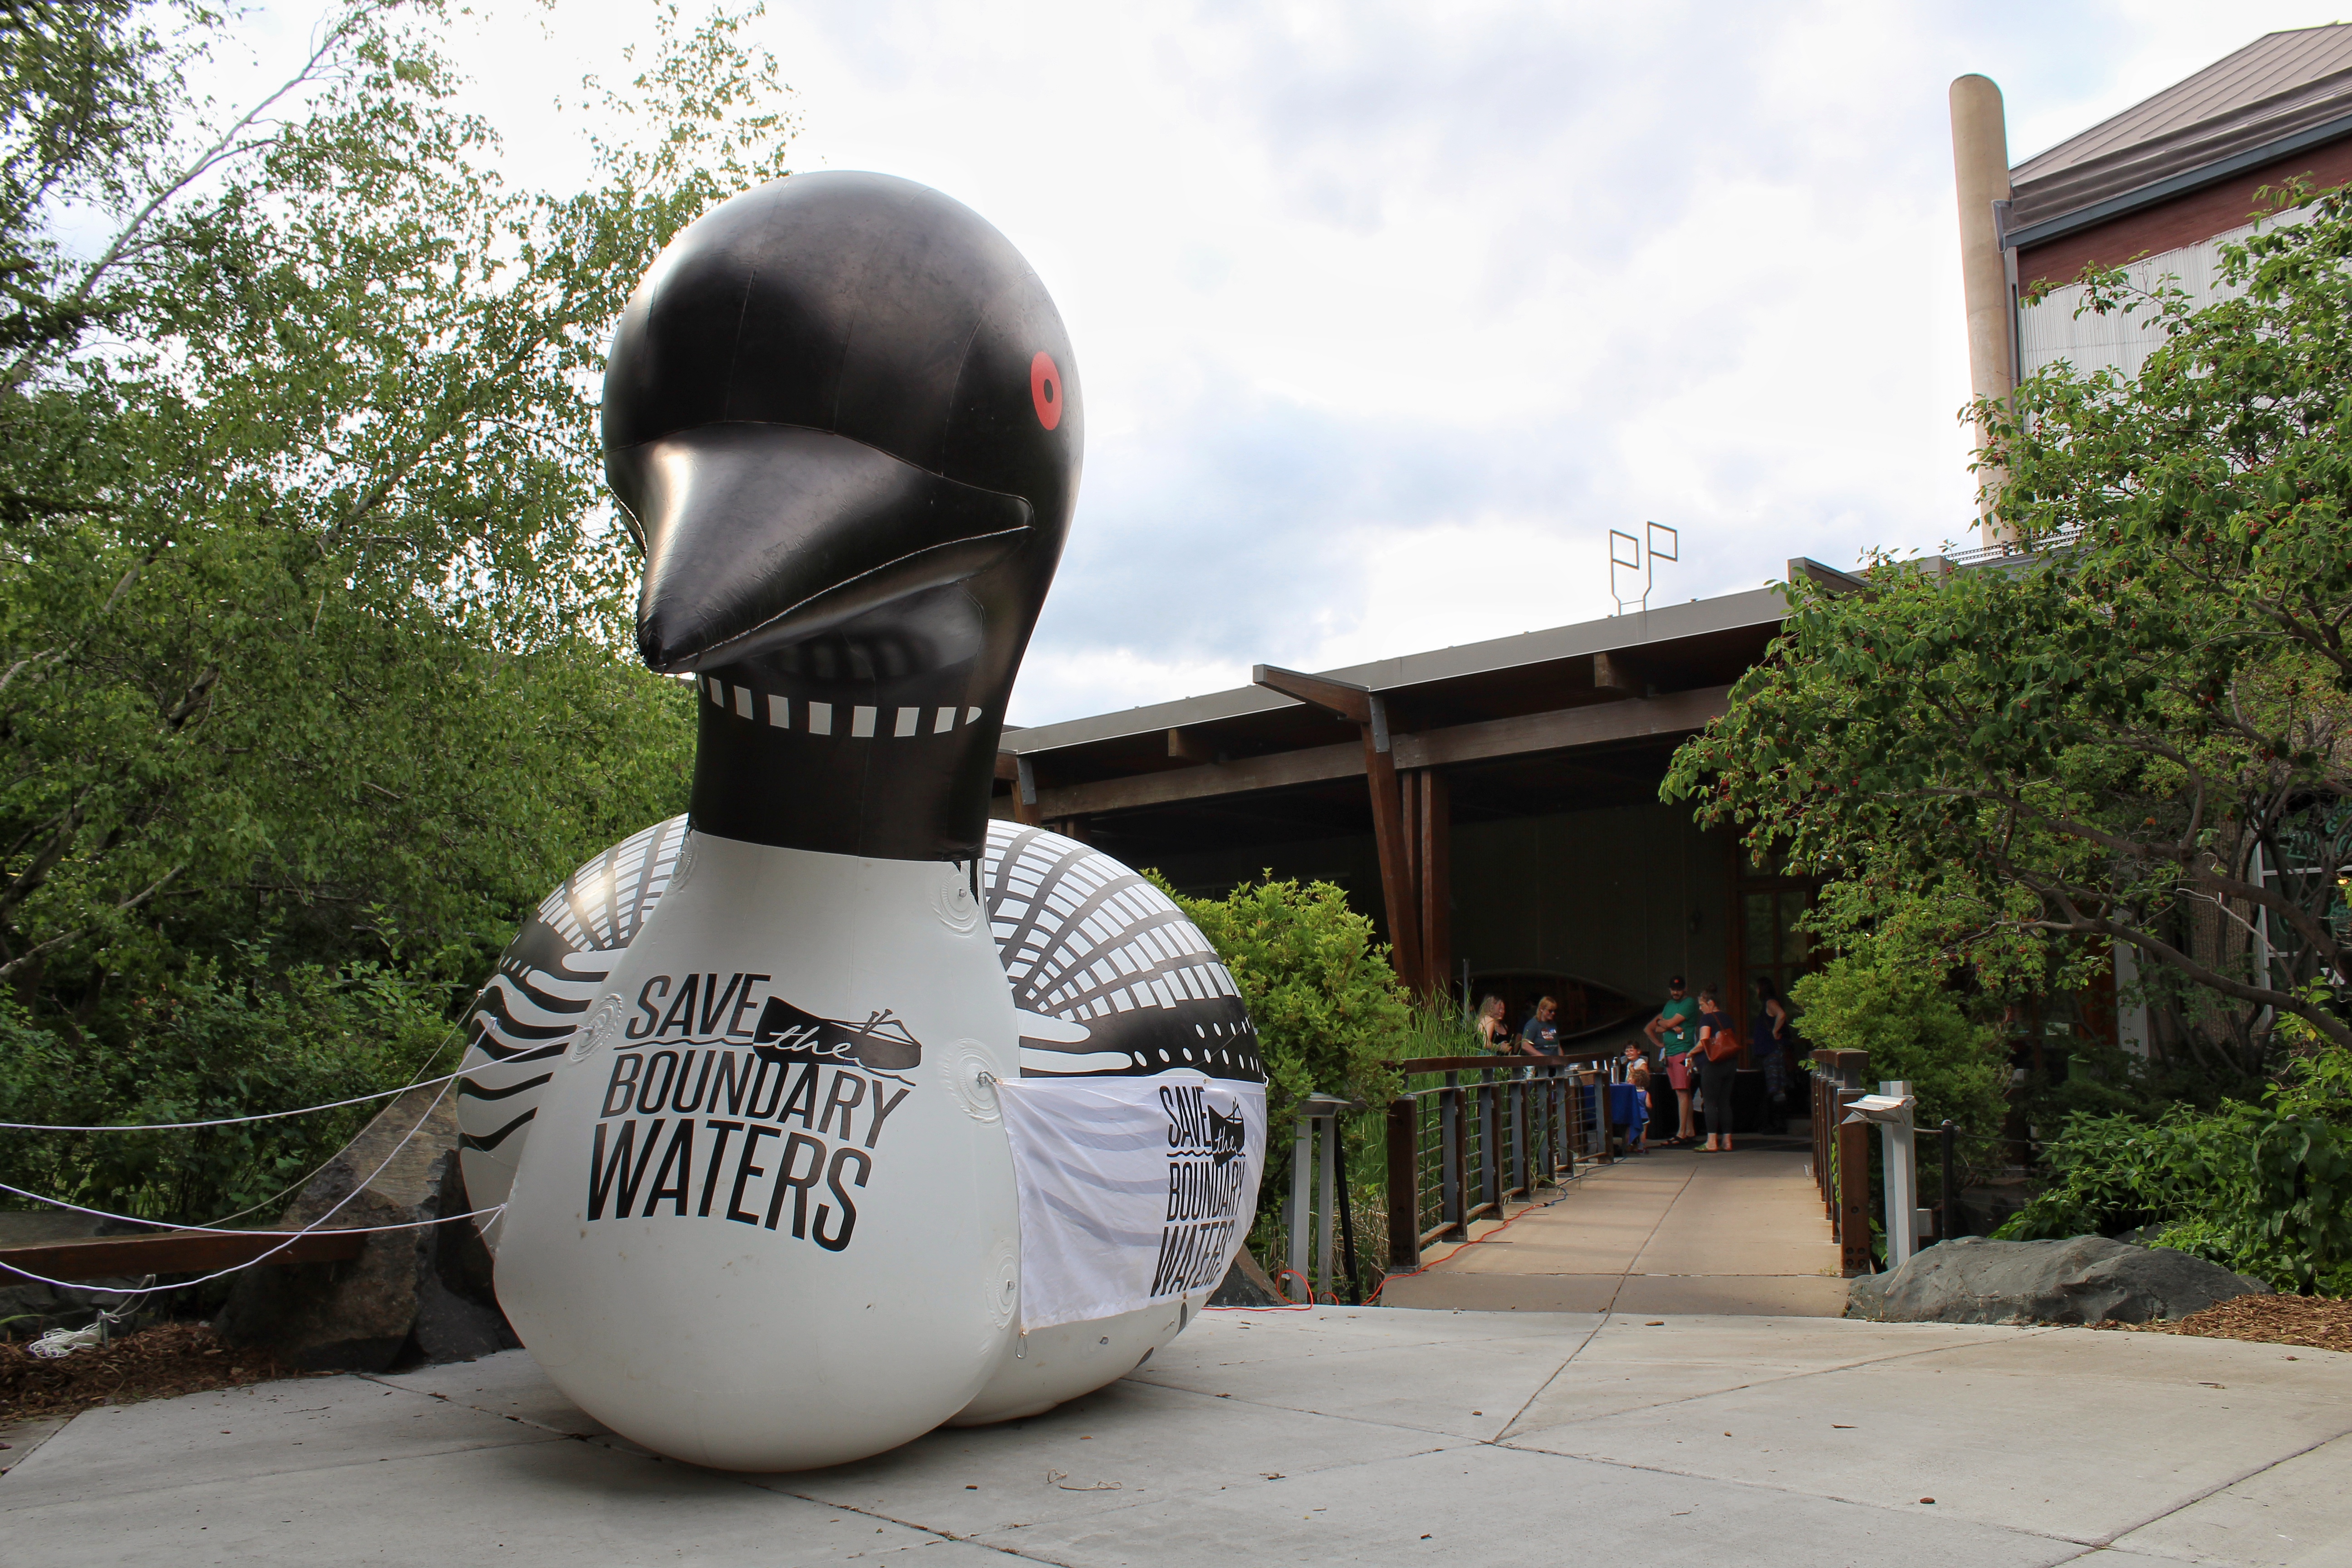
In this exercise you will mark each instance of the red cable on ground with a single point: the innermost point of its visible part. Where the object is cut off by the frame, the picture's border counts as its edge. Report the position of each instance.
(1480, 1241)
(1373, 1299)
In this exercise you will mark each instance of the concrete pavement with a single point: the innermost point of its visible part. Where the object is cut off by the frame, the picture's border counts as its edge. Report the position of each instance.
(1315, 1436)
(1676, 1230)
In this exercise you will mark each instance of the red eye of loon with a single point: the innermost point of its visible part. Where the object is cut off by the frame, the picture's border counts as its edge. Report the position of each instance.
(1046, 389)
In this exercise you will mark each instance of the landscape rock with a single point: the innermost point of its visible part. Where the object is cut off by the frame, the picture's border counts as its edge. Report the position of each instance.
(420, 1294)
(2086, 1279)
(1245, 1285)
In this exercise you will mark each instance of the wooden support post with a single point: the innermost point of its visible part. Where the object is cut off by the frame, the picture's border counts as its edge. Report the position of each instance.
(1431, 823)
(1854, 1190)
(1606, 1154)
(1389, 835)
(1404, 1183)
(1361, 706)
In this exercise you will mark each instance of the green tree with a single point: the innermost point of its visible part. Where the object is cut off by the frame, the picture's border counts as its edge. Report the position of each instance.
(1330, 1011)
(2134, 730)
(1915, 1030)
(314, 664)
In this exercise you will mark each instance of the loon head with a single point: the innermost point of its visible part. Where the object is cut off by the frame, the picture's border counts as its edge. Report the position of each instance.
(842, 417)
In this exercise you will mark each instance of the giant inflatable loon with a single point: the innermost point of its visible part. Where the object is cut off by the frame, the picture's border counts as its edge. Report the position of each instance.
(747, 1083)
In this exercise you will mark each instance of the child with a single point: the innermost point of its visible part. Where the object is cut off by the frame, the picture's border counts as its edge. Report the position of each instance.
(1637, 1073)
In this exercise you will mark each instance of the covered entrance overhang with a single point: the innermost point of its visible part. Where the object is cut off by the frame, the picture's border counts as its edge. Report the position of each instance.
(1494, 806)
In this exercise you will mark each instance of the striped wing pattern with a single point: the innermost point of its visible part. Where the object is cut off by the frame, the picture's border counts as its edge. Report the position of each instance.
(538, 997)
(1109, 977)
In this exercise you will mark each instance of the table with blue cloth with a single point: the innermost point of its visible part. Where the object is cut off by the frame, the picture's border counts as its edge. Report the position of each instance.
(1625, 1106)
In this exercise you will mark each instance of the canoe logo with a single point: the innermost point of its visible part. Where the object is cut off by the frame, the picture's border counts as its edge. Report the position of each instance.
(880, 1044)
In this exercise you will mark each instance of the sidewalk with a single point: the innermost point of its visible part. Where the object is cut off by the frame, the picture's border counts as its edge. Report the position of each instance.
(1330, 1435)
(1674, 1231)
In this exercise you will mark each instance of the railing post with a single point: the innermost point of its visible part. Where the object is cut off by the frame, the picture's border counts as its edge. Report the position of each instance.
(1947, 1195)
(1490, 1169)
(1566, 1089)
(1451, 1201)
(1302, 1198)
(1853, 1187)
(1514, 1112)
(1601, 1118)
(1404, 1183)
(1819, 1088)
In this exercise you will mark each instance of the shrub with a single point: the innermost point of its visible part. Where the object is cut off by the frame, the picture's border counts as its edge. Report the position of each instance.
(1914, 1030)
(2264, 1189)
(213, 1041)
(1328, 1009)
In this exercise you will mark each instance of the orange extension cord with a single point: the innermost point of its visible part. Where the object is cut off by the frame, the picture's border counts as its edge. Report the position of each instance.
(1373, 1299)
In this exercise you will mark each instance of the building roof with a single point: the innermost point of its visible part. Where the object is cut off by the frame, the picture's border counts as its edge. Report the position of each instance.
(1574, 715)
(2278, 95)
(1671, 625)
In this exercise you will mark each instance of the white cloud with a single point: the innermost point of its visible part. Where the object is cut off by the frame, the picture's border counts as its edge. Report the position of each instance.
(1386, 312)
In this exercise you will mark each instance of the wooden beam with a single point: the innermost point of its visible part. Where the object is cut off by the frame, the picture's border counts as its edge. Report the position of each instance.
(1187, 747)
(1433, 831)
(1024, 795)
(177, 1252)
(1615, 675)
(1565, 729)
(1838, 583)
(1561, 729)
(1242, 775)
(1389, 840)
(1361, 707)
(1351, 702)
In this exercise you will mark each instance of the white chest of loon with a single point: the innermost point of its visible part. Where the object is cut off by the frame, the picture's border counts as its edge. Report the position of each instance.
(739, 1084)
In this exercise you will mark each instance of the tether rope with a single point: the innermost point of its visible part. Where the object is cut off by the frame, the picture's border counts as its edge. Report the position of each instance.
(291, 1237)
(233, 1121)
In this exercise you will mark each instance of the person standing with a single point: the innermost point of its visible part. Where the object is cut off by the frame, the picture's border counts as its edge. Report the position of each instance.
(1674, 1033)
(1637, 1073)
(1541, 1031)
(1493, 1033)
(1768, 1045)
(1717, 1059)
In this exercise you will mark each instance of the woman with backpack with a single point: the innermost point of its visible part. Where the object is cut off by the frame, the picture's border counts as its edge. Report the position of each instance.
(1718, 1061)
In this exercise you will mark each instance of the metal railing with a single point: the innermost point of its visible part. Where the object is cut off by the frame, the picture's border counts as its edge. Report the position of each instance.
(1319, 1199)
(1471, 1133)
(1842, 1155)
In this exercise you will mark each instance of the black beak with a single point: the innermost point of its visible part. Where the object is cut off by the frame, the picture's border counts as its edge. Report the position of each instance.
(759, 536)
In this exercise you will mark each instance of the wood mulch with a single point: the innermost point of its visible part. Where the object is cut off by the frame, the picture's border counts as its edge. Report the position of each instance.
(156, 1363)
(2318, 1322)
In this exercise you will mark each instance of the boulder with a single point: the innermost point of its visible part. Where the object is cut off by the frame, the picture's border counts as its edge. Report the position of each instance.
(2087, 1280)
(419, 1294)
(1245, 1285)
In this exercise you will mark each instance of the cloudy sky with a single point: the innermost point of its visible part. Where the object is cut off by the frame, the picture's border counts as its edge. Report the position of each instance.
(1386, 313)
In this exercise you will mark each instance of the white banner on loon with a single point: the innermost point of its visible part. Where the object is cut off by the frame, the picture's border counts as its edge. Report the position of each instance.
(1132, 1190)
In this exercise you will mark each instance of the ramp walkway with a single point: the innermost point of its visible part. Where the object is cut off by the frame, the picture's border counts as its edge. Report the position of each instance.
(1677, 1230)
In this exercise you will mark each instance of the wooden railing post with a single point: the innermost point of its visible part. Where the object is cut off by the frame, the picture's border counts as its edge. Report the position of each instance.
(1404, 1183)
(1606, 1153)
(1452, 1202)
(1853, 1187)
(1490, 1128)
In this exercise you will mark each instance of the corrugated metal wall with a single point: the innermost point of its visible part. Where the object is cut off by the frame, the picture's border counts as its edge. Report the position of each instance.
(2051, 331)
